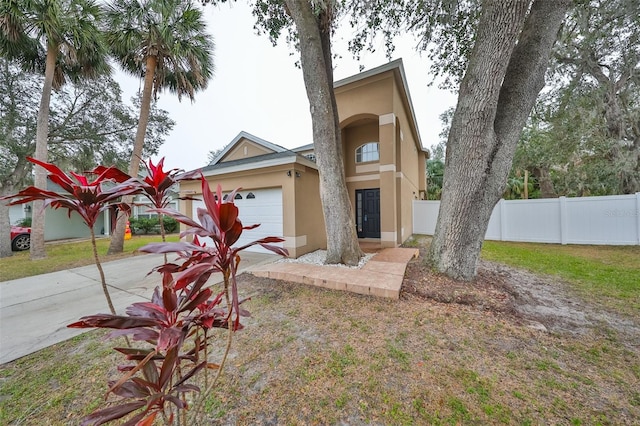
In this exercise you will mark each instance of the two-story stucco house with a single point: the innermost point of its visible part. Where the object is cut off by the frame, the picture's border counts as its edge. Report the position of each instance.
(384, 169)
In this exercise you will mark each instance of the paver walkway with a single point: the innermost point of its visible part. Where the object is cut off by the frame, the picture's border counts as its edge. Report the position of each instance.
(381, 276)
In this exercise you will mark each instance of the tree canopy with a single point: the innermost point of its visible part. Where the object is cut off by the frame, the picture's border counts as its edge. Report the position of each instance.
(166, 42)
(583, 137)
(90, 125)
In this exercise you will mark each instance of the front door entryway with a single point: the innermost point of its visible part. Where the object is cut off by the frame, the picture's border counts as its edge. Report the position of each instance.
(368, 213)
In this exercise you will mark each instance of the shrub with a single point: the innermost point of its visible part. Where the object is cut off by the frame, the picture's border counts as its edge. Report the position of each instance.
(176, 323)
(170, 224)
(143, 225)
(25, 221)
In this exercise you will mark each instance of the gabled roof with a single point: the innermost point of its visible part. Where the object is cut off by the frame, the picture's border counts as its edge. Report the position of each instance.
(259, 161)
(244, 135)
(306, 147)
(398, 71)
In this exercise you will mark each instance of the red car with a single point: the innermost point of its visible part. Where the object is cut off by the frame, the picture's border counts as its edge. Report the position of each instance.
(20, 238)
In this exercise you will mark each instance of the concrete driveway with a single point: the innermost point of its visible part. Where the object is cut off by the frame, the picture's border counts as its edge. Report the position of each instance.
(35, 311)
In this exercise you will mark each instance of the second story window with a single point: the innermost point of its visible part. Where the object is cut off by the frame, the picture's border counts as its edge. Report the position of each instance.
(368, 152)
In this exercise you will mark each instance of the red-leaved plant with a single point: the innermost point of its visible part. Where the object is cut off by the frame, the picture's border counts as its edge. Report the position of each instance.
(175, 324)
(156, 186)
(87, 198)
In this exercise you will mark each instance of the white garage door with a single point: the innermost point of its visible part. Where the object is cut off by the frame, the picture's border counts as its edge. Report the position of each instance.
(263, 206)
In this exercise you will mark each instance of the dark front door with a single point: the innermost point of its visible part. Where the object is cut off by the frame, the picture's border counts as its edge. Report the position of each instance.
(368, 213)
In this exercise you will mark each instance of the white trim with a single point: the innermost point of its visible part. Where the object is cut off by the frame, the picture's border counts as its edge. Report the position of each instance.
(295, 242)
(387, 168)
(244, 135)
(388, 236)
(367, 168)
(385, 119)
(363, 178)
(261, 164)
(400, 175)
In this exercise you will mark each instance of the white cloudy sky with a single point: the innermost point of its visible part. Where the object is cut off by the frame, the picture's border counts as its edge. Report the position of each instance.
(258, 89)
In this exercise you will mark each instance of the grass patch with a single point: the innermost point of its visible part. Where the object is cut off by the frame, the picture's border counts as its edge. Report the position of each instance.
(313, 356)
(611, 273)
(43, 386)
(66, 255)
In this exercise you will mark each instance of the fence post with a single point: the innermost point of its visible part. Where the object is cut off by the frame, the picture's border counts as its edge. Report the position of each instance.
(503, 220)
(563, 220)
(638, 216)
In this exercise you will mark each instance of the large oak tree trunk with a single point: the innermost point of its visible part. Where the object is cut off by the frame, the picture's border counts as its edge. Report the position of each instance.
(117, 238)
(41, 153)
(504, 75)
(314, 34)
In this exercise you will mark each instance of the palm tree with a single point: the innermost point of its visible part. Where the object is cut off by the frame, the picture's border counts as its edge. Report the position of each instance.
(61, 39)
(166, 42)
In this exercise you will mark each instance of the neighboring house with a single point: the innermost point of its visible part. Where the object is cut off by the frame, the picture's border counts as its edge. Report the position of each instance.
(384, 169)
(19, 212)
(142, 206)
(58, 223)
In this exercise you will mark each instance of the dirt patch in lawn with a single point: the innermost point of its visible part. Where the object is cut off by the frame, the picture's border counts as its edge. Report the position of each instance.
(508, 348)
(536, 301)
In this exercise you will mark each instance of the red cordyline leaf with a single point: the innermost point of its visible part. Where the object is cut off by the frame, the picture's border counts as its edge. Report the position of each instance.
(201, 297)
(110, 173)
(158, 178)
(112, 413)
(139, 334)
(170, 337)
(148, 421)
(187, 376)
(156, 185)
(158, 182)
(151, 310)
(130, 389)
(86, 198)
(168, 366)
(113, 321)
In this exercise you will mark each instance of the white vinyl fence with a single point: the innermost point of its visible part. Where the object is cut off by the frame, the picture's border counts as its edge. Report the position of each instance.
(609, 220)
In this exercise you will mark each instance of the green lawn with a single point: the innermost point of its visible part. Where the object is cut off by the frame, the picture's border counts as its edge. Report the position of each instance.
(370, 360)
(607, 273)
(67, 255)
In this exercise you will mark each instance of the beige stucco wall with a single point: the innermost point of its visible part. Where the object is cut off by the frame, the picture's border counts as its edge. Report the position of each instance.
(309, 221)
(245, 149)
(409, 177)
(374, 110)
(303, 224)
(370, 110)
(373, 96)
